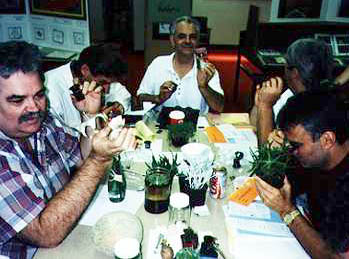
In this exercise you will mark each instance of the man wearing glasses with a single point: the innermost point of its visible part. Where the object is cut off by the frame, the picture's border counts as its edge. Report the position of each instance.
(182, 79)
(315, 124)
(309, 65)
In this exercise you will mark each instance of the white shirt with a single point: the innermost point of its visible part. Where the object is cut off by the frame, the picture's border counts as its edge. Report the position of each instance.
(281, 102)
(59, 80)
(187, 93)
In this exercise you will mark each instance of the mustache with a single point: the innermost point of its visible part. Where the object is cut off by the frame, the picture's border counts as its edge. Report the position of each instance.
(32, 115)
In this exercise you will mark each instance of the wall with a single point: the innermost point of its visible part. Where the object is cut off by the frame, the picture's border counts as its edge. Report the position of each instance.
(227, 18)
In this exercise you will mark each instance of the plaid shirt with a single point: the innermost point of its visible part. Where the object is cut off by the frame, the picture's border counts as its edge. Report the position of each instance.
(30, 177)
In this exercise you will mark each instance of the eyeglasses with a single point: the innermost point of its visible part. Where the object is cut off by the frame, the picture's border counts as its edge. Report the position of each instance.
(293, 146)
(182, 36)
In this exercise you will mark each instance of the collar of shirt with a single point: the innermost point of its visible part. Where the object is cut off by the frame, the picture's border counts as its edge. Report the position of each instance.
(190, 74)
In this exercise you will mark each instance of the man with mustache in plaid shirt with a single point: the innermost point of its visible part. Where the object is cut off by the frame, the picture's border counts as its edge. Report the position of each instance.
(45, 185)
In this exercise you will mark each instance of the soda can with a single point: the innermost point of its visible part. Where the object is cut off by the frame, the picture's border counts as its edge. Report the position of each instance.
(218, 182)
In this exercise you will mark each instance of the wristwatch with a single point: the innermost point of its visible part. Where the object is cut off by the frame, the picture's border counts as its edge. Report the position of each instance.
(289, 217)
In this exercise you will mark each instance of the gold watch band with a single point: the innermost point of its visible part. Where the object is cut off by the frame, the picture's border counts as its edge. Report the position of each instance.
(289, 217)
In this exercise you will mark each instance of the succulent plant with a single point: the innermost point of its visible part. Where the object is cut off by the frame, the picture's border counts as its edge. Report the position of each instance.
(271, 163)
(179, 134)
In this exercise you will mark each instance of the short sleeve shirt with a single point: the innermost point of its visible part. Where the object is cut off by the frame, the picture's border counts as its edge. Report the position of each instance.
(187, 93)
(59, 80)
(29, 178)
(329, 205)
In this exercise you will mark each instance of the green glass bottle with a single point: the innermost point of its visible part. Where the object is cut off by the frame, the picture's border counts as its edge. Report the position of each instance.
(116, 181)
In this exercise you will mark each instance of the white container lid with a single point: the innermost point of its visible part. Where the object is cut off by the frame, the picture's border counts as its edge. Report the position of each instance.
(126, 248)
(177, 115)
(179, 200)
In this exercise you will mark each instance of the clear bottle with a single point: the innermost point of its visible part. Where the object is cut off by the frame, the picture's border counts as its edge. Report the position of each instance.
(179, 210)
(116, 181)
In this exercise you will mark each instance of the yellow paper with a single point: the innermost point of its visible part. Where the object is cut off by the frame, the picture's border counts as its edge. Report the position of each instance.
(215, 135)
(235, 118)
(246, 193)
(143, 131)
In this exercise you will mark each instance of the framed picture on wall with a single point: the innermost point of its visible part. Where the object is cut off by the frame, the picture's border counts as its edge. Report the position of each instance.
(74, 9)
(12, 7)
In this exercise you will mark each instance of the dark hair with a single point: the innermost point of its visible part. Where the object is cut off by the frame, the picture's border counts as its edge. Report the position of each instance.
(317, 112)
(186, 19)
(102, 59)
(19, 56)
(313, 60)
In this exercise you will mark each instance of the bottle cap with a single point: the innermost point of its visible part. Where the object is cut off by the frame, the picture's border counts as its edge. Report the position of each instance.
(179, 200)
(126, 248)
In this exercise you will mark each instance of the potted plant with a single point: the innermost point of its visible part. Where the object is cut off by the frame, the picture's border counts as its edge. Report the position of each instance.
(164, 162)
(271, 163)
(179, 134)
(194, 182)
(158, 182)
(189, 238)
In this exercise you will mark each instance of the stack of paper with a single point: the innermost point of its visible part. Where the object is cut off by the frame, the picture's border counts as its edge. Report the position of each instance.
(236, 119)
(257, 232)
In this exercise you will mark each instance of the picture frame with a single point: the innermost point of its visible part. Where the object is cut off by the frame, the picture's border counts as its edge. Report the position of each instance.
(12, 7)
(73, 9)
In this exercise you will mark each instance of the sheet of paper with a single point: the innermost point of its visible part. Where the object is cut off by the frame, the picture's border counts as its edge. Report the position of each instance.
(244, 141)
(260, 227)
(235, 118)
(101, 205)
(246, 194)
(268, 248)
(254, 210)
(215, 135)
(235, 136)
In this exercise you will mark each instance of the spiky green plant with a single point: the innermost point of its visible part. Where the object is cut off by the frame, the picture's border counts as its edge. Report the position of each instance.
(165, 163)
(271, 163)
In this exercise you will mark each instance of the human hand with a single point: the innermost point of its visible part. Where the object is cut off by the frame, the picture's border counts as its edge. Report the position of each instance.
(166, 90)
(268, 93)
(104, 148)
(278, 200)
(113, 110)
(93, 97)
(276, 138)
(205, 73)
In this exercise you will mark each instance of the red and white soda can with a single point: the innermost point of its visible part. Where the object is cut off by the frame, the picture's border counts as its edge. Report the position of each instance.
(218, 183)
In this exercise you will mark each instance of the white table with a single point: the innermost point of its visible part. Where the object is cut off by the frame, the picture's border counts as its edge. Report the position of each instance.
(79, 244)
